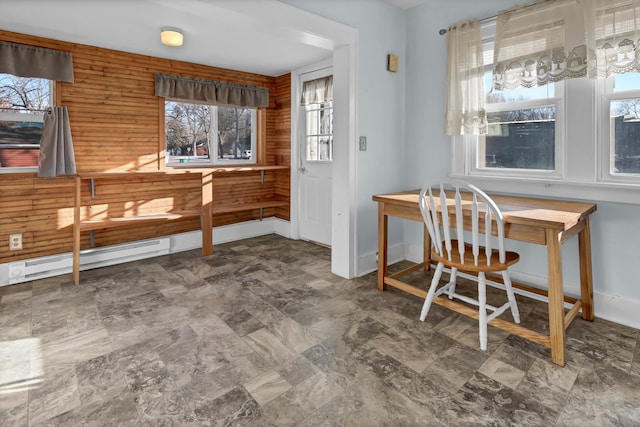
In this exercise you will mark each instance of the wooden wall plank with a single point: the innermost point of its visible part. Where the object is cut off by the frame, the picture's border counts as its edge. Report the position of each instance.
(116, 123)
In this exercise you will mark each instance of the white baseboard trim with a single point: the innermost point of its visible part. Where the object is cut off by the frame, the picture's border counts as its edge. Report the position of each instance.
(615, 308)
(369, 262)
(178, 243)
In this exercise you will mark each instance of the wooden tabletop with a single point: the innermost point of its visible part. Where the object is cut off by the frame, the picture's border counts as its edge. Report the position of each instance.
(547, 213)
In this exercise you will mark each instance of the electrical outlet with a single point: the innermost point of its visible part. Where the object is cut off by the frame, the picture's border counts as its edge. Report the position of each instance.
(15, 242)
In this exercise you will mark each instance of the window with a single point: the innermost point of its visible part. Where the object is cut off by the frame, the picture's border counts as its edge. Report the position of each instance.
(575, 138)
(23, 101)
(621, 127)
(198, 133)
(319, 131)
(522, 135)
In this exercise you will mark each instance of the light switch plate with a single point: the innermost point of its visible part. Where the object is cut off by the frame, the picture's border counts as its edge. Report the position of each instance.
(362, 144)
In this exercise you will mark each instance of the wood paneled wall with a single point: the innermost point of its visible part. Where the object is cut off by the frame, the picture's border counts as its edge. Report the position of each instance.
(115, 122)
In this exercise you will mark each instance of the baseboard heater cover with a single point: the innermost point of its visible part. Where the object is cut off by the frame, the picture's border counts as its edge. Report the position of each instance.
(56, 265)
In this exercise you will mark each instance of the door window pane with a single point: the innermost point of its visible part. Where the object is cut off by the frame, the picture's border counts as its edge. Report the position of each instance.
(319, 129)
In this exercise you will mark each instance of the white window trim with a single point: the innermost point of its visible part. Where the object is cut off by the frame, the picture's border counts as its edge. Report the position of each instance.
(559, 143)
(606, 94)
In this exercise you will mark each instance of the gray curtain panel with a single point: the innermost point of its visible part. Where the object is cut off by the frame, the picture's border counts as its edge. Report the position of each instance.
(213, 92)
(31, 61)
(56, 146)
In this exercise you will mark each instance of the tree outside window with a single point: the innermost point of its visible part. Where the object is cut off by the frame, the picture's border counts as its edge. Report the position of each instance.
(23, 101)
(200, 133)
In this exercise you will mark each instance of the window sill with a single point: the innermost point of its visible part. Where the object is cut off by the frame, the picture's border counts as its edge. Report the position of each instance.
(32, 169)
(592, 191)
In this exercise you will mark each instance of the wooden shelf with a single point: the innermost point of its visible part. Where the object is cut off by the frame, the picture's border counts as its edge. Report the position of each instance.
(247, 206)
(205, 175)
(99, 224)
(83, 225)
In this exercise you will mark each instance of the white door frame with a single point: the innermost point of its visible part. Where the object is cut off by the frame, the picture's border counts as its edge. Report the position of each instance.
(343, 215)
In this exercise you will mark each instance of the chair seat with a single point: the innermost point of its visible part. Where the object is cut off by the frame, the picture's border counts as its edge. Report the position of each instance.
(468, 264)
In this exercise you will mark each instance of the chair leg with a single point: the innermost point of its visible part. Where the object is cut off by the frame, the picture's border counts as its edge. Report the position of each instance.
(482, 310)
(432, 291)
(510, 296)
(452, 288)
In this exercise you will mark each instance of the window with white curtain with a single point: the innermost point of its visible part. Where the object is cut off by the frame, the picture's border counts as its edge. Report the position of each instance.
(551, 122)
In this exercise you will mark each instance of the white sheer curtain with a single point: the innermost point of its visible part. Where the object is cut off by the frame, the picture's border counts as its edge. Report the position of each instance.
(465, 101)
(615, 37)
(540, 43)
(317, 91)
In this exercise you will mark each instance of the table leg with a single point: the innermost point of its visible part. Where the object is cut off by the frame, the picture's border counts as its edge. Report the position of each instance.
(382, 246)
(586, 277)
(76, 232)
(556, 297)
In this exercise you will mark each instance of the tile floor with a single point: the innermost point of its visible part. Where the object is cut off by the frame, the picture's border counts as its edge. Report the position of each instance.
(262, 334)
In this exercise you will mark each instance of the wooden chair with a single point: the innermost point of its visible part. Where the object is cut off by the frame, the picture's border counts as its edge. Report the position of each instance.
(468, 206)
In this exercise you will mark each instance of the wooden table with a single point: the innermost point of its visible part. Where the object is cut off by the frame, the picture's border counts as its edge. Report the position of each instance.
(540, 221)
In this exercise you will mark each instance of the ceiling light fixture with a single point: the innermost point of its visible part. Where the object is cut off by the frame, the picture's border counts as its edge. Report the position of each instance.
(171, 36)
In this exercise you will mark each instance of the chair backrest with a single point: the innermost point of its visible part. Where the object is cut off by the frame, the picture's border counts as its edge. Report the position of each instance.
(468, 206)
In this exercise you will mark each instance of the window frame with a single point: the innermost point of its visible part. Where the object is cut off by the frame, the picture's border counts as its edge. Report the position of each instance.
(558, 172)
(34, 116)
(606, 93)
(213, 161)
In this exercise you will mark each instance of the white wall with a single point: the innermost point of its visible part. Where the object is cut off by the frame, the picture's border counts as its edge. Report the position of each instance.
(380, 108)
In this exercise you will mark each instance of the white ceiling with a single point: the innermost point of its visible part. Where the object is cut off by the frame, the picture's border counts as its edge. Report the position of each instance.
(405, 4)
(261, 36)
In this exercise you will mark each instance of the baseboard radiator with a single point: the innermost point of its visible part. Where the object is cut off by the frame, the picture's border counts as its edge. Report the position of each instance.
(56, 265)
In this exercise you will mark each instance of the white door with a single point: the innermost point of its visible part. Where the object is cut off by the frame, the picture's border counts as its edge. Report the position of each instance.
(315, 170)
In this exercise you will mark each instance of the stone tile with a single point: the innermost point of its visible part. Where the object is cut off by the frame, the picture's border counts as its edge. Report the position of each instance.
(609, 387)
(456, 366)
(502, 372)
(76, 348)
(242, 322)
(297, 370)
(233, 408)
(267, 386)
(294, 336)
(548, 383)
(269, 347)
(411, 352)
(490, 400)
(319, 390)
(15, 415)
(57, 394)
